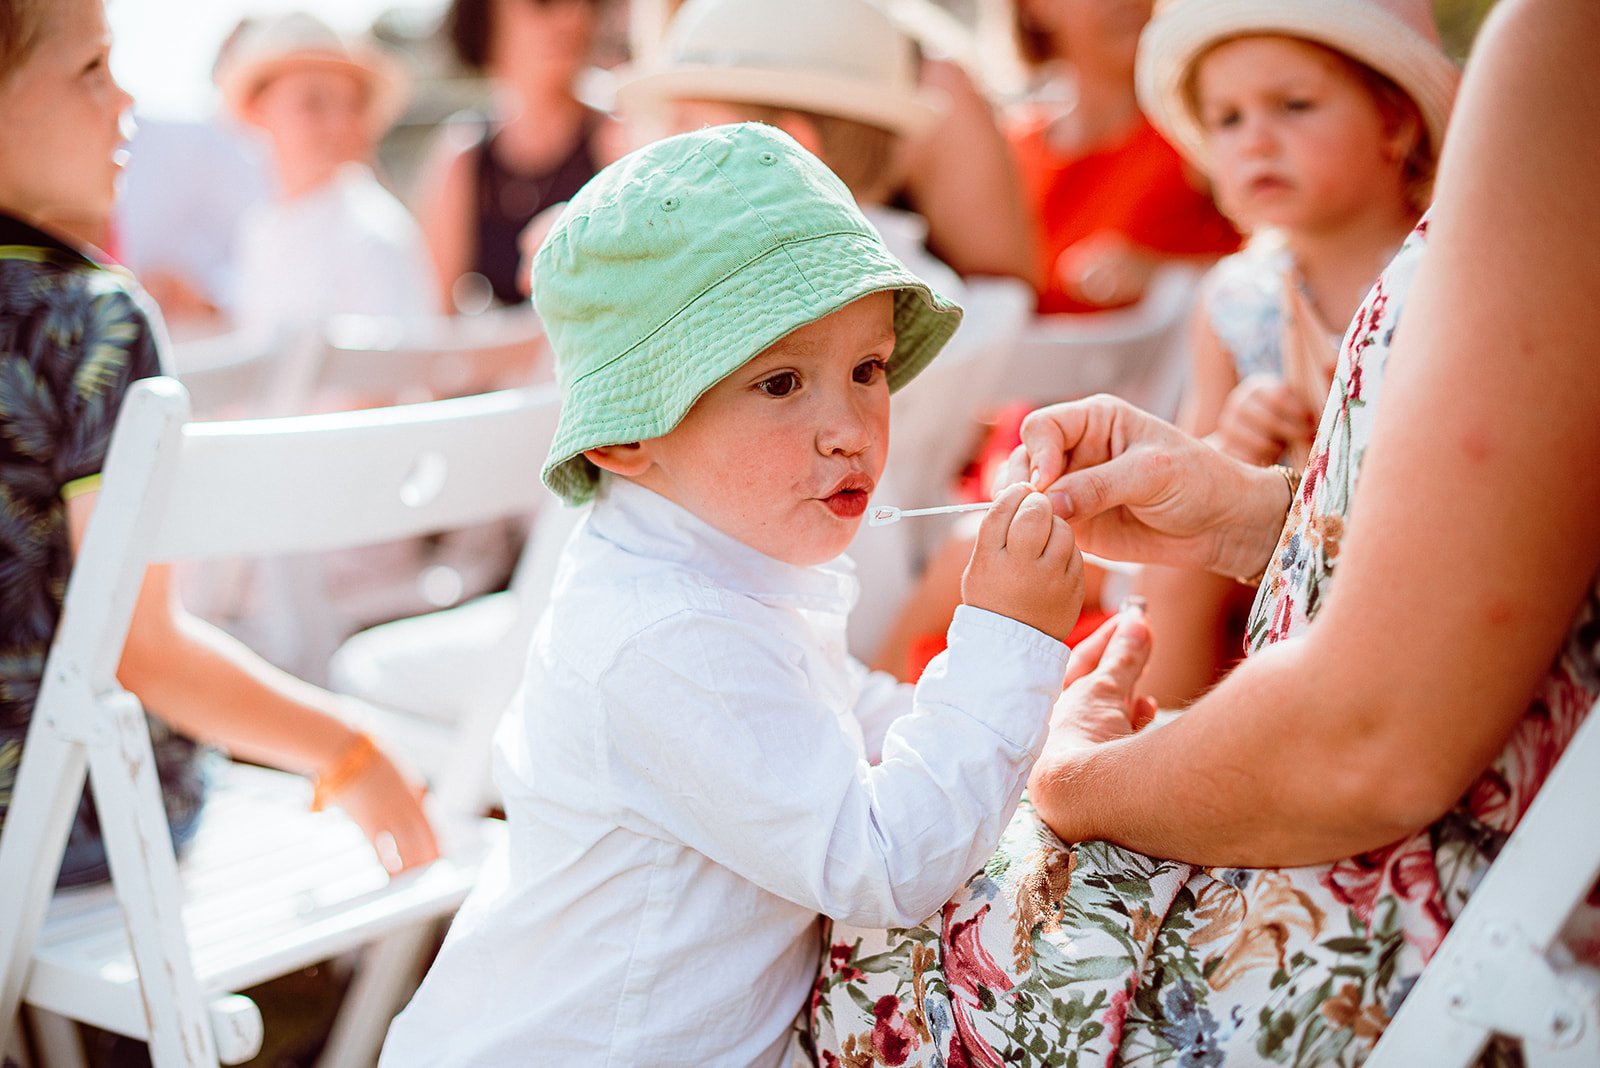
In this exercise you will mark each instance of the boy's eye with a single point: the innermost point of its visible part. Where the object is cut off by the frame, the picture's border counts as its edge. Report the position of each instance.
(867, 371)
(779, 385)
(1298, 104)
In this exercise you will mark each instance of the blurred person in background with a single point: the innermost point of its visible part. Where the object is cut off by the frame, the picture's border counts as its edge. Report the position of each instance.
(78, 334)
(332, 240)
(186, 186)
(1109, 198)
(487, 178)
(1320, 129)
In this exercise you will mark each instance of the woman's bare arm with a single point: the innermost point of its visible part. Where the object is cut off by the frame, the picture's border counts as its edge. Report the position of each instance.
(1476, 531)
(961, 179)
(445, 208)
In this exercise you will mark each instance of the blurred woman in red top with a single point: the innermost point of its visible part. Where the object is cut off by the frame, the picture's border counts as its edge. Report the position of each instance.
(1110, 200)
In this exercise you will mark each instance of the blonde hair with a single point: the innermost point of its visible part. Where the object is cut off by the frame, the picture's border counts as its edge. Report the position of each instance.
(22, 24)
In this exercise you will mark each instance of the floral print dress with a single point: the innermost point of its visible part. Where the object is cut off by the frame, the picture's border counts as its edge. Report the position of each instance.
(1091, 954)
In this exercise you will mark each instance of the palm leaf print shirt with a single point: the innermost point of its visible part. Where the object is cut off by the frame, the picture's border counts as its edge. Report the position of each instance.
(74, 335)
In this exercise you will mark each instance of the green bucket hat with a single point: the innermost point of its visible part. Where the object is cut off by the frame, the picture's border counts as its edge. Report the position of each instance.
(679, 262)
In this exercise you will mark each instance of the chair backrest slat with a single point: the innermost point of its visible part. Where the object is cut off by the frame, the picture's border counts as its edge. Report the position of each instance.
(318, 482)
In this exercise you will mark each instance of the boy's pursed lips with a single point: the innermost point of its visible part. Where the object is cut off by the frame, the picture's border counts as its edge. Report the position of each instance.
(848, 497)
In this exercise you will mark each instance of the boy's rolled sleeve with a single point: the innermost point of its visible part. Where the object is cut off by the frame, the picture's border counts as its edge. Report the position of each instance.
(734, 756)
(985, 647)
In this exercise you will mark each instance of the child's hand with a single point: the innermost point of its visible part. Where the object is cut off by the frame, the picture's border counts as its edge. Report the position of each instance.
(1026, 564)
(1261, 418)
(387, 805)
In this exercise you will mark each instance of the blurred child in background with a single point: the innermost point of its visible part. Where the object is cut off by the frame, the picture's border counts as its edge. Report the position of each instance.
(1320, 132)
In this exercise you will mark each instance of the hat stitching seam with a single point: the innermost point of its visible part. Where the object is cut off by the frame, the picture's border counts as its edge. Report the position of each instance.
(783, 248)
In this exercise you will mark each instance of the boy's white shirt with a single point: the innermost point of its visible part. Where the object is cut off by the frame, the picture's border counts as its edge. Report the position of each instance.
(696, 769)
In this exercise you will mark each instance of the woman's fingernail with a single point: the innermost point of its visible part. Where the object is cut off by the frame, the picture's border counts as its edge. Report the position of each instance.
(1061, 504)
(1134, 603)
(1033, 478)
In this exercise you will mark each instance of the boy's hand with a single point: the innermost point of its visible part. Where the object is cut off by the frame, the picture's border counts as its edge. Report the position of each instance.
(1026, 564)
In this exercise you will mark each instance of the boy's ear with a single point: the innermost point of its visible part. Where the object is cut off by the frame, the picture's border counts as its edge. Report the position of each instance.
(628, 460)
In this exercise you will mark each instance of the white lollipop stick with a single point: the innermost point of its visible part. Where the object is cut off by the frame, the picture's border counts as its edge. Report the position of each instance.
(881, 515)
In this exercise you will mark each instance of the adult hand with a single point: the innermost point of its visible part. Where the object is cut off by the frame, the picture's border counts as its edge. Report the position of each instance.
(1026, 564)
(1137, 488)
(1262, 418)
(388, 808)
(1100, 702)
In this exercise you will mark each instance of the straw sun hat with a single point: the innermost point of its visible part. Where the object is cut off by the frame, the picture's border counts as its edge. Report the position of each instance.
(268, 46)
(682, 260)
(1396, 38)
(831, 57)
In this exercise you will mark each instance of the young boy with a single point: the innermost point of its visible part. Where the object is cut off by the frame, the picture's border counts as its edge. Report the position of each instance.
(333, 241)
(697, 768)
(836, 75)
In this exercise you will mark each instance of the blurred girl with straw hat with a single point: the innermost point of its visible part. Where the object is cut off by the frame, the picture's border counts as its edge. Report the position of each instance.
(1319, 125)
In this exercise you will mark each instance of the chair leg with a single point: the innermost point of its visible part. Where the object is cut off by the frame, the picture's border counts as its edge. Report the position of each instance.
(56, 1040)
(385, 976)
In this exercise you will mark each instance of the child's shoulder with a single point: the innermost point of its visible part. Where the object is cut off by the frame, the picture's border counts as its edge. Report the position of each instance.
(1242, 298)
(606, 602)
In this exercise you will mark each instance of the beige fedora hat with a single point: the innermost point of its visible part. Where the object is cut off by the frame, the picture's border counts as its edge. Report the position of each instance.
(830, 57)
(1397, 38)
(272, 44)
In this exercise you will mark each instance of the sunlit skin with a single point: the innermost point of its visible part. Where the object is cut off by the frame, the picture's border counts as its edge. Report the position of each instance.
(1101, 33)
(541, 43)
(783, 453)
(1296, 139)
(61, 120)
(318, 119)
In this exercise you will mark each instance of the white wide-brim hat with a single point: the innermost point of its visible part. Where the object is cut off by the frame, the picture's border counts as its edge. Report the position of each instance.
(845, 58)
(1397, 38)
(268, 46)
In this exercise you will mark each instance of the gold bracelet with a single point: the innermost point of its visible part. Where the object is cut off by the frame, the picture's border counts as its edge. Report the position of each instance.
(350, 766)
(1292, 478)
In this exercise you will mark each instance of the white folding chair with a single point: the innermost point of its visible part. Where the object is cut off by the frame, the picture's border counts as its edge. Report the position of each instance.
(1136, 352)
(289, 608)
(384, 360)
(234, 374)
(1502, 969)
(267, 887)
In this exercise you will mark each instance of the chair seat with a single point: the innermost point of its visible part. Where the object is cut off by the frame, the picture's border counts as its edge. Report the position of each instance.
(271, 887)
(430, 666)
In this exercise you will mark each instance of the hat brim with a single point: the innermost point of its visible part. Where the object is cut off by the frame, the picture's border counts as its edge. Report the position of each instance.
(908, 114)
(1181, 33)
(385, 76)
(759, 304)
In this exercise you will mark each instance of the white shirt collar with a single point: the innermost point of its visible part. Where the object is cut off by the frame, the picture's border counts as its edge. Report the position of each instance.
(641, 521)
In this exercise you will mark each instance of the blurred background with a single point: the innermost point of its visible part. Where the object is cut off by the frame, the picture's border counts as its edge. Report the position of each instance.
(165, 48)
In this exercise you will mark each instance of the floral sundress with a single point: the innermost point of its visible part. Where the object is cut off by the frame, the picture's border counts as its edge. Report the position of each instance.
(1092, 954)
